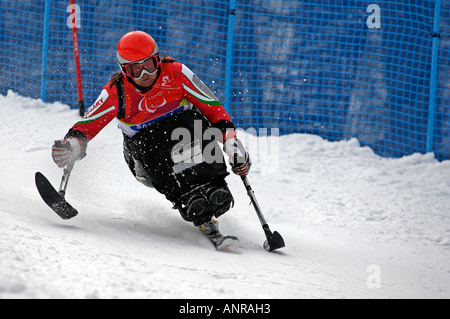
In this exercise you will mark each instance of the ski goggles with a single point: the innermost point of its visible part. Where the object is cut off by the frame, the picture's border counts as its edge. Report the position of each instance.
(138, 69)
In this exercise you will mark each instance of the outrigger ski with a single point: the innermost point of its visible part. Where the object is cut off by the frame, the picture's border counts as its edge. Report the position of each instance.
(53, 198)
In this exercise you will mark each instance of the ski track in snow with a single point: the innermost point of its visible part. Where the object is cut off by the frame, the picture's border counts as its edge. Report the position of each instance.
(355, 225)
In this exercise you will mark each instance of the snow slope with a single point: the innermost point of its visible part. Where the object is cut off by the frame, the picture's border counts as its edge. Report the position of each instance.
(355, 225)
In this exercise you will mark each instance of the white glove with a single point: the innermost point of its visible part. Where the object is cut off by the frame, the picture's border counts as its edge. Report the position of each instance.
(239, 158)
(66, 151)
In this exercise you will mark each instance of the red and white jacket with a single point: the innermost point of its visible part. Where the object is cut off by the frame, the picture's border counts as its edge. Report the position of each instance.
(176, 89)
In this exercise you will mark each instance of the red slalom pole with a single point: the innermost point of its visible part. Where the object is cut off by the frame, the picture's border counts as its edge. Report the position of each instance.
(76, 51)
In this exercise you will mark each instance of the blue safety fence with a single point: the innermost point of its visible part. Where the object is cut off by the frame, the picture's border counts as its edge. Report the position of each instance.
(375, 70)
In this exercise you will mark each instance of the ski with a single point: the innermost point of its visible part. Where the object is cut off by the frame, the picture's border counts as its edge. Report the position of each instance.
(221, 242)
(54, 199)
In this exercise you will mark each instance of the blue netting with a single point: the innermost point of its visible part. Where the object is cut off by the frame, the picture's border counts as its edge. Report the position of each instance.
(316, 67)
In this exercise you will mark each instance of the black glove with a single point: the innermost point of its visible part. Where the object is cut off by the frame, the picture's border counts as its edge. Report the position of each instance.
(239, 158)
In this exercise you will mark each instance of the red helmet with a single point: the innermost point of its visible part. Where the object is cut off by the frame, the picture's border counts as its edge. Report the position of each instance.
(135, 47)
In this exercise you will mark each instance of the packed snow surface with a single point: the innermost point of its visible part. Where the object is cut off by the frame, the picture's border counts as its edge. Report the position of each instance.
(355, 225)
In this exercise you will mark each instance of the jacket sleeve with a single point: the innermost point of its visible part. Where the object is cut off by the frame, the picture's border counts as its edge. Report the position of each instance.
(103, 111)
(196, 92)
